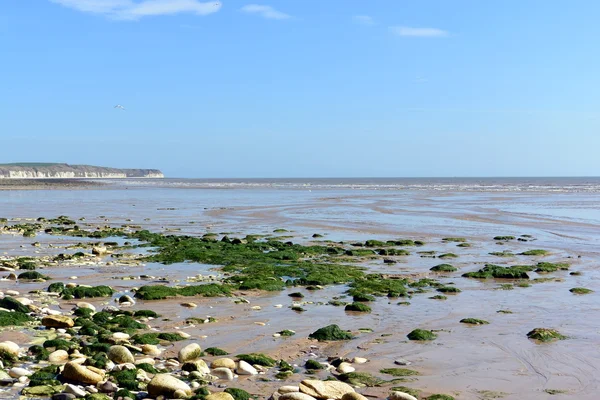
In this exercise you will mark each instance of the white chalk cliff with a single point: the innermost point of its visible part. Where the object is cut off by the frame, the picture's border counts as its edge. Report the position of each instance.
(66, 171)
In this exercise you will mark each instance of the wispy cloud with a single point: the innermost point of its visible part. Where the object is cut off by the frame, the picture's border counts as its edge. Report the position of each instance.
(363, 20)
(417, 32)
(134, 9)
(264, 11)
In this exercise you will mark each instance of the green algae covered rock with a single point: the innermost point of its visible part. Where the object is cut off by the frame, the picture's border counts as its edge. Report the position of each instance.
(330, 333)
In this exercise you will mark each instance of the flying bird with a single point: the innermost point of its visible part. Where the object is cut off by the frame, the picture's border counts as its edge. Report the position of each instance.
(120, 107)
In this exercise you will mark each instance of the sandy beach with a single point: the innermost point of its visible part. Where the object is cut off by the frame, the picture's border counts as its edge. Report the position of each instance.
(495, 360)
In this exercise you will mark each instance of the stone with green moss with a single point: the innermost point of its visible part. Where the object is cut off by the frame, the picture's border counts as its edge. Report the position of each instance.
(358, 307)
(443, 268)
(473, 321)
(258, 359)
(313, 364)
(215, 351)
(440, 397)
(545, 335)
(330, 333)
(398, 372)
(360, 379)
(421, 334)
(580, 290)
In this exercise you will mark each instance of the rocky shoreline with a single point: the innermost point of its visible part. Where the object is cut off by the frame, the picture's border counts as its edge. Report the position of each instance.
(128, 350)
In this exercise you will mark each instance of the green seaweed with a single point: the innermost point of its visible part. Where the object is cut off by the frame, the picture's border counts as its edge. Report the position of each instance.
(398, 372)
(545, 335)
(421, 334)
(360, 379)
(159, 292)
(473, 321)
(10, 303)
(535, 252)
(580, 290)
(215, 351)
(257, 358)
(358, 307)
(443, 268)
(498, 272)
(238, 394)
(330, 333)
(313, 364)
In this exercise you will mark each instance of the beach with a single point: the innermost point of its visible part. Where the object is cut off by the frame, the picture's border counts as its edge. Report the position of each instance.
(506, 217)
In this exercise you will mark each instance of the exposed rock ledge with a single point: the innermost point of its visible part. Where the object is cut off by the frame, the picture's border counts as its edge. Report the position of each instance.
(66, 171)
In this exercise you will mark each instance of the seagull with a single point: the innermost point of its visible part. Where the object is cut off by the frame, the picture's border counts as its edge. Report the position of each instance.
(120, 107)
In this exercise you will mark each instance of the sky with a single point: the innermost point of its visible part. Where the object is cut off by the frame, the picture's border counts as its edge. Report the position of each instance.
(303, 88)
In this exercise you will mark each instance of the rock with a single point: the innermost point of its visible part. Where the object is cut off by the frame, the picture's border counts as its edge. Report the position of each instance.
(12, 277)
(166, 385)
(120, 355)
(58, 356)
(83, 304)
(288, 389)
(223, 373)
(219, 396)
(12, 293)
(120, 336)
(108, 387)
(189, 305)
(190, 352)
(146, 360)
(198, 365)
(10, 347)
(63, 396)
(99, 250)
(150, 350)
(126, 299)
(75, 390)
(24, 300)
(41, 391)
(359, 360)
(180, 394)
(17, 372)
(402, 361)
(57, 321)
(223, 363)
(295, 396)
(78, 373)
(345, 368)
(325, 389)
(401, 396)
(245, 369)
(353, 396)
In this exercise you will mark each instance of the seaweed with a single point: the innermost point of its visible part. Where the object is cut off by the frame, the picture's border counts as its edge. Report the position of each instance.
(398, 372)
(421, 334)
(257, 358)
(330, 333)
(215, 351)
(443, 268)
(358, 307)
(580, 290)
(545, 335)
(473, 321)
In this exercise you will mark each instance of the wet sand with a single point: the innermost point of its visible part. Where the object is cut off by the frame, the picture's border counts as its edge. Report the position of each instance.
(469, 362)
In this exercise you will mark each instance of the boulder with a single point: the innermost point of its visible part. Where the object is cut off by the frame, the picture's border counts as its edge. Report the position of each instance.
(325, 389)
(166, 385)
(58, 356)
(78, 373)
(223, 363)
(190, 352)
(223, 373)
(19, 372)
(245, 369)
(75, 390)
(10, 347)
(120, 355)
(295, 396)
(198, 365)
(401, 396)
(57, 321)
(219, 396)
(353, 396)
(150, 350)
(345, 368)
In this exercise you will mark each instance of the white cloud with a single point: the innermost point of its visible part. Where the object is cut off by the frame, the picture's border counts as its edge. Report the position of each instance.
(264, 11)
(363, 20)
(417, 32)
(130, 9)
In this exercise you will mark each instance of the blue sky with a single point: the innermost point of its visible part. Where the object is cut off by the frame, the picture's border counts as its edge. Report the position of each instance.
(304, 88)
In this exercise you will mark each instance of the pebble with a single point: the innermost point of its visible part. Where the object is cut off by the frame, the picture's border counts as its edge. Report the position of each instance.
(58, 356)
(223, 373)
(245, 369)
(108, 387)
(401, 396)
(223, 363)
(75, 390)
(189, 305)
(288, 389)
(19, 372)
(359, 360)
(345, 368)
(402, 361)
(150, 350)
(83, 304)
(296, 396)
(12, 293)
(63, 396)
(256, 308)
